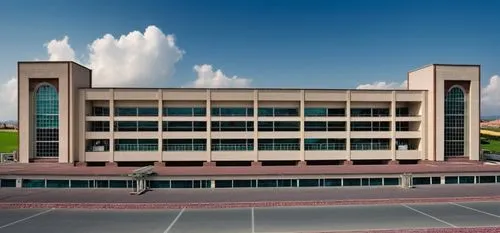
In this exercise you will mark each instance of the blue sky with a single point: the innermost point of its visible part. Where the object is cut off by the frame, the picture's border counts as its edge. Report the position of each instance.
(327, 44)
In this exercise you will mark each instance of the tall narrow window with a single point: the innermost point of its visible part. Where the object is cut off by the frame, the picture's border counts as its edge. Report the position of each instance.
(454, 125)
(46, 121)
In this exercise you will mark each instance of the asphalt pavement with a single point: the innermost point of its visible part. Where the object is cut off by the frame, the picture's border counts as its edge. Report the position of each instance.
(438, 216)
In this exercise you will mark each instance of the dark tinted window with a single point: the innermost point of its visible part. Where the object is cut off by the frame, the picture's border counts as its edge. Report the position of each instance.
(336, 112)
(315, 111)
(315, 126)
(147, 111)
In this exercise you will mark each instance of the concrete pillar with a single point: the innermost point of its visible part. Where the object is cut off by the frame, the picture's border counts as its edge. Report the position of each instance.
(159, 164)
(112, 125)
(348, 162)
(423, 147)
(209, 125)
(256, 164)
(302, 164)
(348, 127)
(82, 122)
(302, 126)
(393, 126)
(160, 126)
(140, 185)
(256, 126)
(209, 164)
(393, 162)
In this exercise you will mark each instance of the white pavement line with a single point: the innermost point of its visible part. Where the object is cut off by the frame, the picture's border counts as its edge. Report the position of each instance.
(479, 211)
(175, 220)
(24, 219)
(253, 220)
(430, 216)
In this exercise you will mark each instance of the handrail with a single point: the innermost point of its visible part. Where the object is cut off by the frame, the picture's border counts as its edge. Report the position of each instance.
(279, 146)
(407, 115)
(136, 147)
(232, 147)
(325, 146)
(185, 147)
(370, 146)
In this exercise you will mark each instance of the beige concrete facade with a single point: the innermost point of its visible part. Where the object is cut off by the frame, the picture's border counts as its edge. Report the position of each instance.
(437, 79)
(416, 135)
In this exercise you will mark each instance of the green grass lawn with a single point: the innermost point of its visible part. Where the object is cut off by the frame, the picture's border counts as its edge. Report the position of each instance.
(8, 141)
(493, 146)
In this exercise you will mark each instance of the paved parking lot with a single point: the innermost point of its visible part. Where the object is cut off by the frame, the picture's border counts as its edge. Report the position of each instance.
(256, 220)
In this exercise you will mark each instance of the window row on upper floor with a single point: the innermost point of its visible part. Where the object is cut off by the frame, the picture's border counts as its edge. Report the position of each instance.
(242, 111)
(263, 144)
(242, 126)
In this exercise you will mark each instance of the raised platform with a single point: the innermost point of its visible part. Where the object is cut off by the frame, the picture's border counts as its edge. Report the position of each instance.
(52, 169)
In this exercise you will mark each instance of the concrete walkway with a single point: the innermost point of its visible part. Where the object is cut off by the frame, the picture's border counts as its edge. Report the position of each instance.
(231, 198)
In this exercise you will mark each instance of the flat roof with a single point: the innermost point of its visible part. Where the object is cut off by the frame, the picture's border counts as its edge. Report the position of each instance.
(243, 89)
(442, 64)
(53, 62)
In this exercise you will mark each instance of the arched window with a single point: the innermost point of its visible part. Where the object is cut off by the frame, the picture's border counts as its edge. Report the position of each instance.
(455, 115)
(46, 121)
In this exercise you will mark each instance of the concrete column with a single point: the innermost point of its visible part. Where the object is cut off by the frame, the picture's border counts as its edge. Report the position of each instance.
(302, 123)
(112, 125)
(393, 126)
(256, 126)
(423, 147)
(82, 127)
(474, 109)
(348, 126)
(25, 118)
(209, 124)
(160, 125)
(111, 164)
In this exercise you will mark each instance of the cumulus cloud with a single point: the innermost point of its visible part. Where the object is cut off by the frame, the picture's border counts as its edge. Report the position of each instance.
(383, 85)
(60, 50)
(208, 77)
(134, 59)
(490, 97)
(8, 99)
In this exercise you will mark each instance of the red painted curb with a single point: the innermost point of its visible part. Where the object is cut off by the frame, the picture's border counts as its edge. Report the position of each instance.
(428, 230)
(220, 205)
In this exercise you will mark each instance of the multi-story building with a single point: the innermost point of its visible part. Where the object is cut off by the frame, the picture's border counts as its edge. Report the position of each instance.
(62, 118)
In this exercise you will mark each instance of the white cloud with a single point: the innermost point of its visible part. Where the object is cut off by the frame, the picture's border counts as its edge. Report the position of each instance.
(490, 97)
(8, 99)
(207, 77)
(383, 85)
(60, 50)
(57, 50)
(133, 59)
